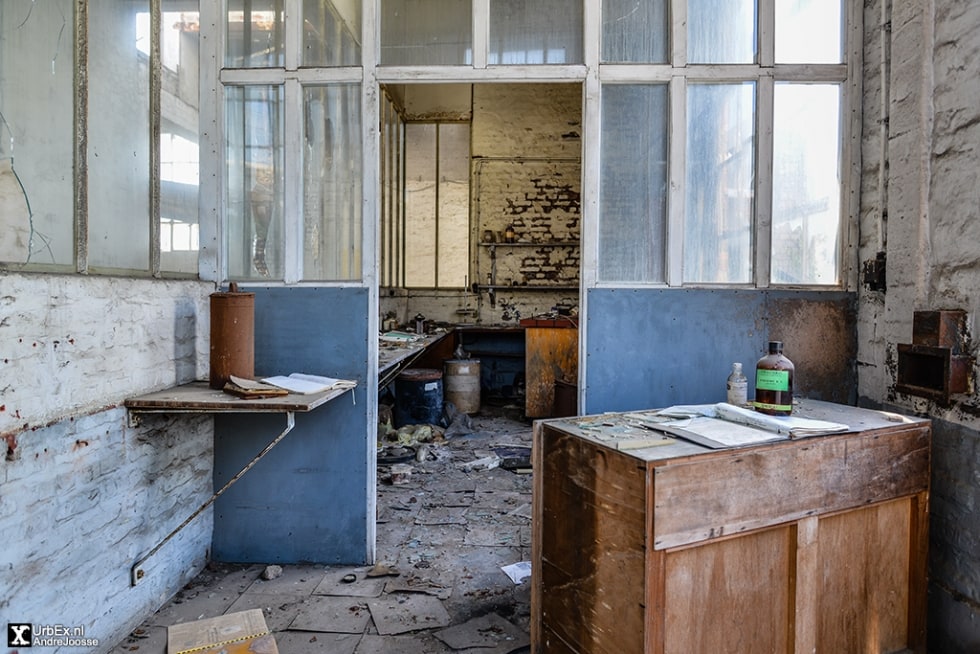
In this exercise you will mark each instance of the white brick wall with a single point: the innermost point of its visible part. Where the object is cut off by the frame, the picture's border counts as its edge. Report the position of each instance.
(82, 495)
(921, 172)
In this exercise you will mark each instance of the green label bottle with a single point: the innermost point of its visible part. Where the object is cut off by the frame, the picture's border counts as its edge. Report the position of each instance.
(774, 382)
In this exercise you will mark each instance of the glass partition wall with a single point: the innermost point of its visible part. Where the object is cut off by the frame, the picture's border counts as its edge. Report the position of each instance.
(714, 132)
(720, 142)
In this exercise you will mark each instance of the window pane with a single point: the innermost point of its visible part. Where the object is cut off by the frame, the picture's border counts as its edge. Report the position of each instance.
(633, 183)
(331, 33)
(119, 135)
(254, 203)
(454, 204)
(540, 32)
(254, 34)
(808, 31)
(420, 203)
(179, 136)
(36, 138)
(720, 181)
(426, 32)
(806, 193)
(721, 31)
(634, 31)
(332, 183)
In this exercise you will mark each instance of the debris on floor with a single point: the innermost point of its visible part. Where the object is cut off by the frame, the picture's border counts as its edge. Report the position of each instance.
(441, 583)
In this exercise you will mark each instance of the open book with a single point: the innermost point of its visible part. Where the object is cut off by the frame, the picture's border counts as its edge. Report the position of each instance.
(304, 384)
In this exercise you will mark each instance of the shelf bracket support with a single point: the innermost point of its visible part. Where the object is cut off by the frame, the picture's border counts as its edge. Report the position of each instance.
(138, 573)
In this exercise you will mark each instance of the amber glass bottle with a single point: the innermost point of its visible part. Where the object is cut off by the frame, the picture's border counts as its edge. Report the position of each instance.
(774, 382)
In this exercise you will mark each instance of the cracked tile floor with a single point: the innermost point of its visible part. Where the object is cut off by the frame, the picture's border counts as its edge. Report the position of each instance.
(445, 530)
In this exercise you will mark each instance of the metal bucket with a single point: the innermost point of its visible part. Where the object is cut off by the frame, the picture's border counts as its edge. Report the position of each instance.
(232, 336)
(418, 397)
(462, 384)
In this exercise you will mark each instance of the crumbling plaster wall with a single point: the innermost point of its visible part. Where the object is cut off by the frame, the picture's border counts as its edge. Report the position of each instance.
(920, 203)
(83, 495)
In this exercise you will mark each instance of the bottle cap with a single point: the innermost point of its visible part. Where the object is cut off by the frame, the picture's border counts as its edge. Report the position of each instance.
(775, 347)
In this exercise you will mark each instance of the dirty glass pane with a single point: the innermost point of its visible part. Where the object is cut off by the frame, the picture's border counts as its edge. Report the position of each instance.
(331, 32)
(36, 138)
(454, 204)
(426, 32)
(806, 191)
(540, 32)
(808, 32)
(420, 204)
(118, 135)
(720, 180)
(254, 201)
(332, 183)
(721, 31)
(179, 136)
(254, 33)
(634, 31)
(633, 183)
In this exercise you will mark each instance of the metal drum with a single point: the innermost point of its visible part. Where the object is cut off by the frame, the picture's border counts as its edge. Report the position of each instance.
(462, 384)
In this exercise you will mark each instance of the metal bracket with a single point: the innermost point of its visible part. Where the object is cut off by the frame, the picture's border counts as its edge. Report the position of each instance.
(138, 573)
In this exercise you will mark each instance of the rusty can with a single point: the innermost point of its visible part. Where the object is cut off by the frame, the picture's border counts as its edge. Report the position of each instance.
(232, 336)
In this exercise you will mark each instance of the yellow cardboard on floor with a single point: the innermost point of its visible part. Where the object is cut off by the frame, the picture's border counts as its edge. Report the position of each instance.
(244, 632)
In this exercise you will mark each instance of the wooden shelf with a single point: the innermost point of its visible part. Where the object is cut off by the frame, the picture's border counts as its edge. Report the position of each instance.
(518, 244)
(511, 287)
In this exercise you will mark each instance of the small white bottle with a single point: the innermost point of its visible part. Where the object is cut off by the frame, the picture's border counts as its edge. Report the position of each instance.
(738, 386)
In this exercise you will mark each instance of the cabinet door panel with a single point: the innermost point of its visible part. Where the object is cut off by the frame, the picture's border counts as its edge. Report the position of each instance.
(730, 596)
(864, 598)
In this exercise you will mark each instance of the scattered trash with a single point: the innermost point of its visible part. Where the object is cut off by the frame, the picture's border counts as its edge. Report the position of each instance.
(349, 579)
(382, 570)
(272, 572)
(401, 473)
(518, 572)
(490, 633)
(486, 463)
(395, 454)
(515, 459)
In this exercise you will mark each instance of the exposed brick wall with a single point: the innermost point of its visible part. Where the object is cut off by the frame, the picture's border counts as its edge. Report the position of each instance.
(82, 494)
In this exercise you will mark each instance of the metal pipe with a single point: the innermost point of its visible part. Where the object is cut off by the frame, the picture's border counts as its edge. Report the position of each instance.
(137, 573)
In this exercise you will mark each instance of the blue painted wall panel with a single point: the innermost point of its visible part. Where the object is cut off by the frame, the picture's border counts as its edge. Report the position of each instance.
(307, 500)
(652, 348)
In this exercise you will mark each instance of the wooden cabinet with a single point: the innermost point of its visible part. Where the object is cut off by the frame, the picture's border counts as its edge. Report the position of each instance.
(807, 545)
(550, 355)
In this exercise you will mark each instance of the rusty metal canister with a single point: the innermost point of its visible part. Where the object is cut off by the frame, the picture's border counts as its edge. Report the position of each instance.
(232, 335)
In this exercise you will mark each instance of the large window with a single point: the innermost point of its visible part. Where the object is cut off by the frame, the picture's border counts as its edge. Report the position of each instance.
(726, 162)
(292, 141)
(128, 200)
(437, 197)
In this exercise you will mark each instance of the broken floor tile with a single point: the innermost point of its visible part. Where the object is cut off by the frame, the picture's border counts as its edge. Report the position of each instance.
(418, 584)
(441, 515)
(410, 643)
(342, 615)
(401, 613)
(493, 535)
(491, 633)
(310, 642)
(278, 609)
(337, 581)
(294, 579)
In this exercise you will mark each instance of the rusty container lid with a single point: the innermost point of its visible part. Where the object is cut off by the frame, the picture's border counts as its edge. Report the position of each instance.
(420, 375)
